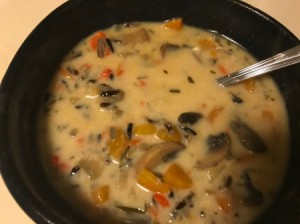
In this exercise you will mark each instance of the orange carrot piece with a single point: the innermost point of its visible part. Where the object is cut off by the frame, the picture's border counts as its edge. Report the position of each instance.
(224, 203)
(174, 24)
(134, 141)
(160, 199)
(222, 69)
(214, 113)
(106, 73)
(95, 38)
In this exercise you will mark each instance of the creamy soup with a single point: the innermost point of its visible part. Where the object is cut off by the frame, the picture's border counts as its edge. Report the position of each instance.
(135, 125)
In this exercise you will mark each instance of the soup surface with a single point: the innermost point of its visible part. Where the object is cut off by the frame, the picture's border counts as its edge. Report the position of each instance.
(134, 124)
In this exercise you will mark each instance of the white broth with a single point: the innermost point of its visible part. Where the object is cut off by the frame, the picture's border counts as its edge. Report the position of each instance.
(134, 122)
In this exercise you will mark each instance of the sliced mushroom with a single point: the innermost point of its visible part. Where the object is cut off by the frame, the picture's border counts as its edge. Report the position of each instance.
(92, 167)
(139, 36)
(253, 196)
(112, 95)
(189, 117)
(109, 95)
(218, 149)
(188, 130)
(102, 47)
(156, 154)
(217, 142)
(236, 99)
(166, 48)
(248, 137)
(105, 87)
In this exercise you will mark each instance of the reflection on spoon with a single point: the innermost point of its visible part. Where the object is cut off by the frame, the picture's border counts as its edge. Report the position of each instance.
(280, 60)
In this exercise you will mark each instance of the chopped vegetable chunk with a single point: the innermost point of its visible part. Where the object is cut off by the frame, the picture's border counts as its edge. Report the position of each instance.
(174, 24)
(176, 177)
(151, 182)
(101, 194)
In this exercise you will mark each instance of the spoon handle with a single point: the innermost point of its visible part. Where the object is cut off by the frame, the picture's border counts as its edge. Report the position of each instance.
(280, 60)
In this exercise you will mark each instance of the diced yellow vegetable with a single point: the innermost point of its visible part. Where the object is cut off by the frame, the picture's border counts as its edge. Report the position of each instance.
(118, 145)
(172, 135)
(151, 182)
(100, 194)
(144, 129)
(176, 177)
(174, 24)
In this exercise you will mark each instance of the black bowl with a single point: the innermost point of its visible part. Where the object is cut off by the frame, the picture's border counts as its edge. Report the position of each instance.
(35, 62)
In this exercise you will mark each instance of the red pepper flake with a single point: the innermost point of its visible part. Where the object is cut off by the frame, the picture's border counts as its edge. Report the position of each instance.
(106, 73)
(162, 200)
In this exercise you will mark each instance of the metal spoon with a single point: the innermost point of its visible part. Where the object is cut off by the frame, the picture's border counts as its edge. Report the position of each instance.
(283, 59)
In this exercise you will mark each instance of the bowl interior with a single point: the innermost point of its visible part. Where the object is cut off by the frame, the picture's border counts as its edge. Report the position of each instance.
(33, 66)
